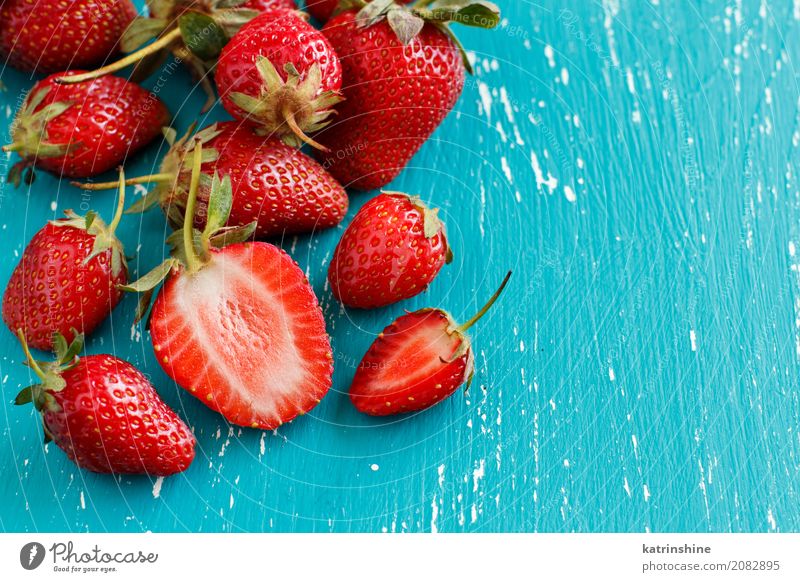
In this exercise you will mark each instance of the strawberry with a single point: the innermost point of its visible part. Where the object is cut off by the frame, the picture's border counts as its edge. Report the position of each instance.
(105, 414)
(85, 129)
(67, 278)
(322, 10)
(392, 250)
(194, 31)
(238, 325)
(281, 75)
(277, 186)
(416, 362)
(403, 72)
(53, 36)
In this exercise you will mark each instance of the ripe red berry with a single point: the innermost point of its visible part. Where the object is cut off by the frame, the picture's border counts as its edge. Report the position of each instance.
(402, 74)
(281, 75)
(392, 250)
(84, 129)
(274, 185)
(54, 36)
(67, 279)
(105, 414)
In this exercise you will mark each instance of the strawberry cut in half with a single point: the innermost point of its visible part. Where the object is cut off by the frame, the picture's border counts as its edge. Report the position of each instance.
(236, 323)
(416, 362)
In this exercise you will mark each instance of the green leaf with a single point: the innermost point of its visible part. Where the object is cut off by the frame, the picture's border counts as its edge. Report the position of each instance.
(373, 12)
(143, 305)
(202, 35)
(25, 396)
(152, 279)
(220, 201)
(145, 203)
(478, 13)
(60, 346)
(232, 20)
(405, 24)
(74, 348)
(233, 235)
(140, 31)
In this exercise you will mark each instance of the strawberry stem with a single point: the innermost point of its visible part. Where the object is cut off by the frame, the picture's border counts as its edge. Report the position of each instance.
(13, 147)
(486, 307)
(31, 362)
(120, 203)
(192, 260)
(288, 115)
(128, 182)
(132, 58)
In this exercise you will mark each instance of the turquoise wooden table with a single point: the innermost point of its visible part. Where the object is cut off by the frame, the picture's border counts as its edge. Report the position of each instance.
(635, 164)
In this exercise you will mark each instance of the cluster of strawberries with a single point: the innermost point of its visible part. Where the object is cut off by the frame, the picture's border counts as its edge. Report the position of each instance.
(235, 320)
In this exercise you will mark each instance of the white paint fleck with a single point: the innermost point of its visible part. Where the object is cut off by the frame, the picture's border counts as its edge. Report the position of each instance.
(486, 99)
(550, 181)
(569, 193)
(693, 339)
(477, 474)
(506, 169)
(374, 466)
(434, 515)
(550, 54)
(157, 487)
(611, 375)
(83, 501)
(771, 519)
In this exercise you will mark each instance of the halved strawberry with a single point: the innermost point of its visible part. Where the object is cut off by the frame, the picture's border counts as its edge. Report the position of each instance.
(238, 325)
(416, 362)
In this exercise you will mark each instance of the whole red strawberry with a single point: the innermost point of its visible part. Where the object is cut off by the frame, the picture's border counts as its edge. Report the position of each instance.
(323, 9)
(402, 74)
(105, 414)
(67, 279)
(54, 36)
(392, 250)
(194, 31)
(281, 75)
(237, 324)
(274, 185)
(416, 362)
(84, 129)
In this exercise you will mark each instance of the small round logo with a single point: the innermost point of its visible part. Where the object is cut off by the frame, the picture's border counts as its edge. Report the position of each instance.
(31, 555)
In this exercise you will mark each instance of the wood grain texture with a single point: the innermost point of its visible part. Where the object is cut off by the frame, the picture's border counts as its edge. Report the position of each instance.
(635, 164)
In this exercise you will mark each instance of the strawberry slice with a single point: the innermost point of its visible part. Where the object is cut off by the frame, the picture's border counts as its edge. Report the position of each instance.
(236, 323)
(245, 335)
(416, 362)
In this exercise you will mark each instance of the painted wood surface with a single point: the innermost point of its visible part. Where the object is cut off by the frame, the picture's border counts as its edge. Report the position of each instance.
(635, 164)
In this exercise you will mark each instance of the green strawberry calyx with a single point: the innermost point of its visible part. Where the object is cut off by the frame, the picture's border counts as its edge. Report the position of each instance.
(195, 32)
(432, 224)
(105, 237)
(408, 21)
(289, 109)
(192, 248)
(49, 373)
(30, 137)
